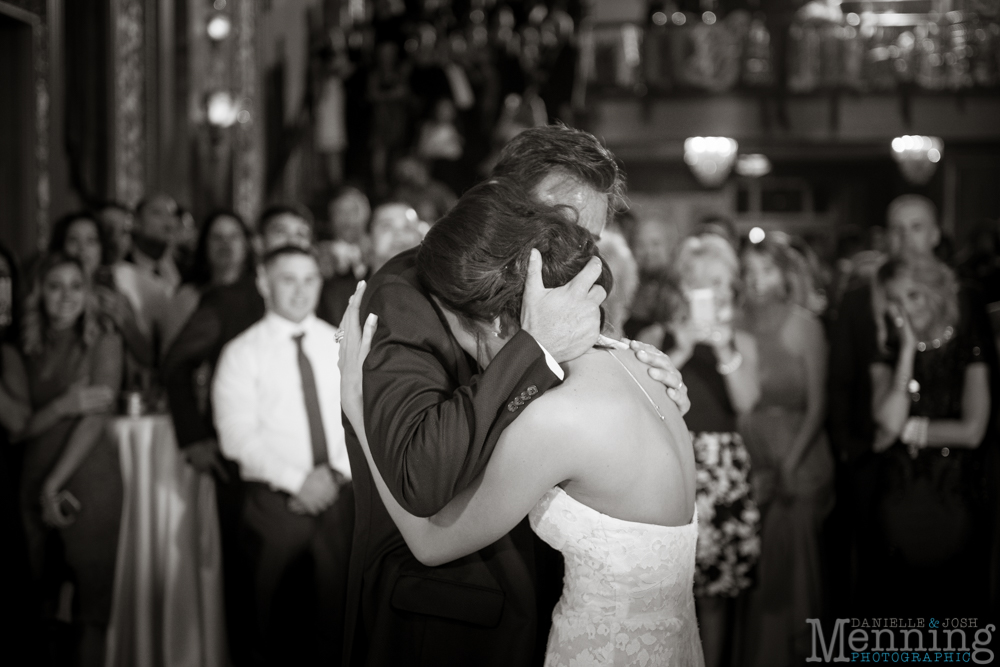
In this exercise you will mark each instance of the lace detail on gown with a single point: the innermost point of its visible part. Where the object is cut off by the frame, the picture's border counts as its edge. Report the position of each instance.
(627, 593)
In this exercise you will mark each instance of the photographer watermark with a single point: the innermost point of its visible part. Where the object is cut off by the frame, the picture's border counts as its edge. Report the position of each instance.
(902, 640)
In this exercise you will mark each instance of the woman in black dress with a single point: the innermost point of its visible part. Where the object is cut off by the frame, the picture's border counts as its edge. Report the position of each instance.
(69, 372)
(931, 403)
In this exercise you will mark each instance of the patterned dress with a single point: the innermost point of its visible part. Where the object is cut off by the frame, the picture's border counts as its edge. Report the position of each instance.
(729, 521)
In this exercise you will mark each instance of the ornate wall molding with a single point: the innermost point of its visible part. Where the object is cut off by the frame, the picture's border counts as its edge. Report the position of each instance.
(129, 100)
(35, 13)
(42, 192)
(248, 172)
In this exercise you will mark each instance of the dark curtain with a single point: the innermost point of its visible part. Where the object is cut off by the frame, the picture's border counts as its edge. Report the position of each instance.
(17, 136)
(88, 88)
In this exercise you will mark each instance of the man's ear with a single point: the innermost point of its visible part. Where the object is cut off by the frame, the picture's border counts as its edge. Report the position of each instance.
(263, 285)
(507, 326)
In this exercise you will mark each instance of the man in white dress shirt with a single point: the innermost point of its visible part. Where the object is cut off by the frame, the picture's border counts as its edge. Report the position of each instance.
(276, 398)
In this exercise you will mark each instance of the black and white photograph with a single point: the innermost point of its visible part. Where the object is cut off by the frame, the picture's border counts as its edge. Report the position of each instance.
(499, 333)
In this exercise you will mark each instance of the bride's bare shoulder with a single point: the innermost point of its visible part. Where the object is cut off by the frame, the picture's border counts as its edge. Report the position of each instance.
(587, 395)
(610, 378)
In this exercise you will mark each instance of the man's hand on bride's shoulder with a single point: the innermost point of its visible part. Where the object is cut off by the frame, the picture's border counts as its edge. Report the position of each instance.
(663, 371)
(564, 320)
(354, 346)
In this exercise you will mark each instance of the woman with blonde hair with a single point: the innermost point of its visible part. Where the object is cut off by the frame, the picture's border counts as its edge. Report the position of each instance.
(931, 405)
(793, 467)
(718, 363)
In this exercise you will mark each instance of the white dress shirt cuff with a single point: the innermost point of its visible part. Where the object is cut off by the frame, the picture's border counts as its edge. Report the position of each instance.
(553, 364)
(289, 480)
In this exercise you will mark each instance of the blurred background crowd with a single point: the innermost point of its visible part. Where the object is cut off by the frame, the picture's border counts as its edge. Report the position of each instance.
(813, 238)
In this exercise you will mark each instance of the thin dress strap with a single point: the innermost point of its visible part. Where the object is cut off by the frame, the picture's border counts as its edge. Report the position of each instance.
(641, 388)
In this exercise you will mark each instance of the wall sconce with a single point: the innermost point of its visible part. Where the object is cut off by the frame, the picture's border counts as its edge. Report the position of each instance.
(753, 165)
(917, 156)
(222, 109)
(218, 27)
(710, 158)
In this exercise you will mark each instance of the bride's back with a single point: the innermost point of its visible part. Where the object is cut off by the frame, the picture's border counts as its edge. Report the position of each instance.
(631, 464)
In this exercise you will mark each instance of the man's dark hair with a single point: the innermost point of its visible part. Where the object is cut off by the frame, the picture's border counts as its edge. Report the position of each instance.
(276, 210)
(386, 204)
(157, 195)
(113, 205)
(347, 189)
(537, 152)
(475, 258)
(287, 251)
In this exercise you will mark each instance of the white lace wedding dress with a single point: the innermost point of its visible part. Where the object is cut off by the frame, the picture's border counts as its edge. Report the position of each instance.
(627, 593)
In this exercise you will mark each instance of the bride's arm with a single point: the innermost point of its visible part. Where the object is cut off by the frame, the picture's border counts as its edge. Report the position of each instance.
(517, 476)
(530, 458)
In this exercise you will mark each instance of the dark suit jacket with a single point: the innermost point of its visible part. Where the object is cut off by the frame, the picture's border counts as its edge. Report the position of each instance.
(337, 291)
(222, 314)
(432, 425)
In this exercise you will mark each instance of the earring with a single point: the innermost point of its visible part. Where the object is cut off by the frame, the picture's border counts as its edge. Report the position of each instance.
(495, 333)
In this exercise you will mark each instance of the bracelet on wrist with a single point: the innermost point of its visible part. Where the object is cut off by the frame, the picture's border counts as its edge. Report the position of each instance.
(730, 366)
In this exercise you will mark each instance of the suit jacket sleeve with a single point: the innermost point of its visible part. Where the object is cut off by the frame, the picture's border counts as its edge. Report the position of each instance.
(429, 435)
(196, 343)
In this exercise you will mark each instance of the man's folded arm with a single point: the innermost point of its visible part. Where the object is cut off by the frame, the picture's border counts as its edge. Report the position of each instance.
(429, 436)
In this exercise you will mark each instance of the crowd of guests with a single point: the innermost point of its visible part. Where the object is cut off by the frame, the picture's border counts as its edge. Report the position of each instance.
(843, 424)
(131, 302)
(842, 420)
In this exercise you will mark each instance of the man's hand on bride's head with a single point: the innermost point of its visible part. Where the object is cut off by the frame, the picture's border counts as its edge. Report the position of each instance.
(662, 370)
(565, 320)
(354, 346)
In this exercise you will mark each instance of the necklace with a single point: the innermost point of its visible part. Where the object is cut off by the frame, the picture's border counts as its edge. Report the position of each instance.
(656, 407)
(937, 342)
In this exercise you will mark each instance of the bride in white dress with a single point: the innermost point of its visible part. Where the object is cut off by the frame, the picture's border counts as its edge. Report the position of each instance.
(602, 464)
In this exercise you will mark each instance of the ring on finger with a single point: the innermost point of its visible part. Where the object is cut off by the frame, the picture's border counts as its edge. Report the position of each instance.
(339, 335)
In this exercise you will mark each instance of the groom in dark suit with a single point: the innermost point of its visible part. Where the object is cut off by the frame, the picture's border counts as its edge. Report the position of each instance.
(433, 420)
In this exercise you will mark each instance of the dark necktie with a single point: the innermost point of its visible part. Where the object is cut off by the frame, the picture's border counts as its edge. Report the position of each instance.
(317, 435)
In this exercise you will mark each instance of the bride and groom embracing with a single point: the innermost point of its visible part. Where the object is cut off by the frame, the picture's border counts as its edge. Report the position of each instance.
(465, 434)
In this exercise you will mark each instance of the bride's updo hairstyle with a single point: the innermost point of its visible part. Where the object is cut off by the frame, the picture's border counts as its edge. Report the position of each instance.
(475, 258)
